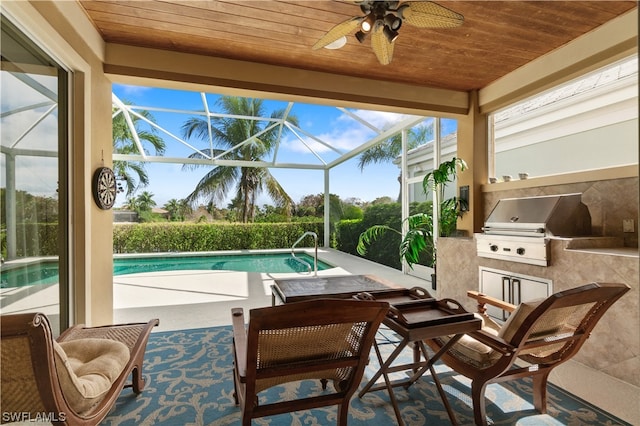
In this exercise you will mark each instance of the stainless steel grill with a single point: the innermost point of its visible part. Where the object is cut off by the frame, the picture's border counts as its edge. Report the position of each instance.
(518, 229)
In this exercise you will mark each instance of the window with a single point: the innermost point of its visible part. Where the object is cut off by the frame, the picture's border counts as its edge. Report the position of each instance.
(589, 123)
(423, 159)
(420, 159)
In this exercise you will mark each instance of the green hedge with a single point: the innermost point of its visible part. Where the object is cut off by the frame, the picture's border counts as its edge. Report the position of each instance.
(347, 234)
(42, 239)
(150, 237)
(386, 249)
(33, 239)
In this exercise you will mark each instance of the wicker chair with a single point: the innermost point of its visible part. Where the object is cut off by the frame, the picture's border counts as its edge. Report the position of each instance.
(543, 334)
(72, 380)
(321, 339)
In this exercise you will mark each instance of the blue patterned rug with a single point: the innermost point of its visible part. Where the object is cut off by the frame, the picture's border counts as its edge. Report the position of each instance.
(189, 377)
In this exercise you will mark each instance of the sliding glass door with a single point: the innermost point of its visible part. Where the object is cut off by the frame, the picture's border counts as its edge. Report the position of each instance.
(33, 180)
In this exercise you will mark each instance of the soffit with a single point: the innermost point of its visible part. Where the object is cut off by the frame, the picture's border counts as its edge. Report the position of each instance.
(495, 39)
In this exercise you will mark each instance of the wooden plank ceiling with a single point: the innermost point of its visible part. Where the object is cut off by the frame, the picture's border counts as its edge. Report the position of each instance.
(496, 38)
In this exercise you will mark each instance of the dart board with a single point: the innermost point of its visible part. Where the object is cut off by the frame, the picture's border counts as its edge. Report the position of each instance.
(104, 188)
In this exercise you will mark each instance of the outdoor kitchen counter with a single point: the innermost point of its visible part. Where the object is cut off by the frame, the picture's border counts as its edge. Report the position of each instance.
(609, 251)
(610, 357)
(608, 246)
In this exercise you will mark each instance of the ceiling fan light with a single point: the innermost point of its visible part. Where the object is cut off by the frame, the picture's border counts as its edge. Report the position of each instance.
(361, 36)
(339, 43)
(390, 34)
(401, 10)
(367, 23)
(392, 21)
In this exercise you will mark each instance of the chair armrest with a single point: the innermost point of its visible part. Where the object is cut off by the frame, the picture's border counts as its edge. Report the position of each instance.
(239, 341)
(483, 299)
(493, 341)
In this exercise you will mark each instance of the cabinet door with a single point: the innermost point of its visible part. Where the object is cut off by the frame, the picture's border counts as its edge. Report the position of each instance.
(495, 285)
(526, 289)
(511, 288)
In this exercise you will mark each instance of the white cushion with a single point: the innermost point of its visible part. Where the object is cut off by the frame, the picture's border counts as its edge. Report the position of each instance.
(87, 368)
(471, 350)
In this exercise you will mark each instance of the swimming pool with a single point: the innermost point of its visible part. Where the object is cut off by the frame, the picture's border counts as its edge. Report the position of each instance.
(254, 262)
(46, 272)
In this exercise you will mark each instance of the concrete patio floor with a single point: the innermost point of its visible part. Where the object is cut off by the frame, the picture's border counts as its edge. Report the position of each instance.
(196, 299)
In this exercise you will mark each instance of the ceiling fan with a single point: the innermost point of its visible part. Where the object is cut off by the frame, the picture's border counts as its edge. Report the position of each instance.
(383, 19)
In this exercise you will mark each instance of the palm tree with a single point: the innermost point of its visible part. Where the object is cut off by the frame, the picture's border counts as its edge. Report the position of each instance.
(132, 203)
(253, 142)
(177, 209)
(133, 173)
(391, 148)
(145, 201)
(173, 208)
(184, 208)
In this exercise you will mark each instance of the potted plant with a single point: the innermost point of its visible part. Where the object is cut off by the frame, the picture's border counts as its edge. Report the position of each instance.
(419, 237)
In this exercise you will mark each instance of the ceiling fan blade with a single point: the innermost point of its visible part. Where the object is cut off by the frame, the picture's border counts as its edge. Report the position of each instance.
(381, 45)
(426, 14)
(340, 30)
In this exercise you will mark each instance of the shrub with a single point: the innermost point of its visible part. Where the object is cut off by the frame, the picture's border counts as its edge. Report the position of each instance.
(35, 239)
(352, 212)
(386, 249)
(187, 237)
(347, 233)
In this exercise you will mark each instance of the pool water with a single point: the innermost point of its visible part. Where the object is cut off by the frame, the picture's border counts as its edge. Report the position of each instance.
(47, 272)
(35, 273)
(272, 262)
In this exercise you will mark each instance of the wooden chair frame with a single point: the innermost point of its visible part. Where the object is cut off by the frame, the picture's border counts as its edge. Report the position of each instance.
(30, 384)
(309, 318)
(599, 297)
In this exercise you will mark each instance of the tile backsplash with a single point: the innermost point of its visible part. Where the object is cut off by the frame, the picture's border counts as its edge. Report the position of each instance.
(610, 203)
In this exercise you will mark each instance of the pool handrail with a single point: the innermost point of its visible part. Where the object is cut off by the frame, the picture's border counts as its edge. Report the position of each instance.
(315, 258)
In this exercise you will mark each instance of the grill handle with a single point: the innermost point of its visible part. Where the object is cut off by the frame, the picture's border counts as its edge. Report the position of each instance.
(493, 230)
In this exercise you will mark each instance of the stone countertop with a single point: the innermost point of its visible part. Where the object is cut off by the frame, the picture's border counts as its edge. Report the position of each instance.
(609, 251)
(609, 246)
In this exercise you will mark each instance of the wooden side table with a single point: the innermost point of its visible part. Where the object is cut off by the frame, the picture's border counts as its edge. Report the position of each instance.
(416, 322)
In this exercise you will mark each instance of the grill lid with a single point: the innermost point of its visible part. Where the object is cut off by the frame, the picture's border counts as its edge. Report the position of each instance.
(554, 215)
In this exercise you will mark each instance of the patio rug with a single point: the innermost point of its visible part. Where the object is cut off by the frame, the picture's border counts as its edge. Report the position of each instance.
(189, 376)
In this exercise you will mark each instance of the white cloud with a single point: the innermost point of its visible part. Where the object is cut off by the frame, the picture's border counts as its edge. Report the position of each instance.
(133, 90)
(17, 94)
(35, 175)
(43, 136)
(345, 133)
(379, 119)
(343, 138)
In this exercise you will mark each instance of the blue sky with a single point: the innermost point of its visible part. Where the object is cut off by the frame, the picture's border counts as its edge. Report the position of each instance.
(331, 125)
(30, 122)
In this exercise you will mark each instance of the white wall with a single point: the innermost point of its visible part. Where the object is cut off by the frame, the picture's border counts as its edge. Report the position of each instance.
(591, 123)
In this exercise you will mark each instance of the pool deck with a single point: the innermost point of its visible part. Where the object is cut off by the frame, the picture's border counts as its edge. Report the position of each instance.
(197, 299)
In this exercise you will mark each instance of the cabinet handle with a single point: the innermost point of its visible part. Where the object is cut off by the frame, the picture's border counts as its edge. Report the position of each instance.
(507, 294)
(516, 291)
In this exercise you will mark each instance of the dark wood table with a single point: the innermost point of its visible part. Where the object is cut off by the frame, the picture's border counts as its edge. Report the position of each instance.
(414, 315)
(414, 321)
(289, 290)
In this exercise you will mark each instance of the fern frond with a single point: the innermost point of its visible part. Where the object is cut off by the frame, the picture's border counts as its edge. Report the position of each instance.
(370, 235)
